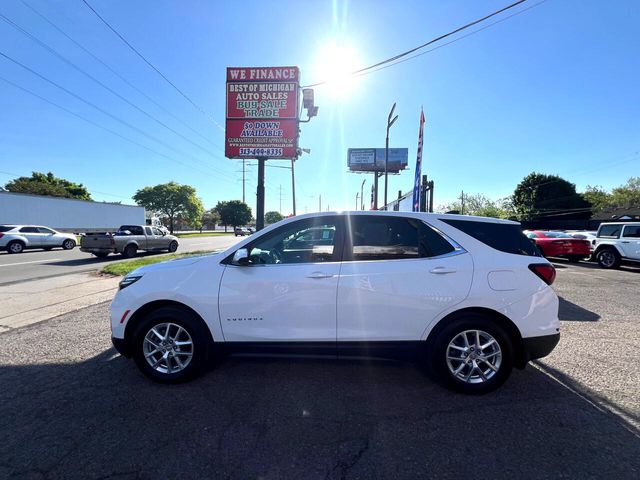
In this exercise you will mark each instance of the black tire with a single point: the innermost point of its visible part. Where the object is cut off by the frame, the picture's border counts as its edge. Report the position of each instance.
(68, 244)
(608, 258)
(129, 251)
(15, 247)
(439, 364)
(200, 349)
(575, 258)
(173, 246)
(102, 254)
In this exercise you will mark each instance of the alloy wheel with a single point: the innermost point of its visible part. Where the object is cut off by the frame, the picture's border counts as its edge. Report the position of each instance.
(168, 348)
(607, 258)
(473, 356)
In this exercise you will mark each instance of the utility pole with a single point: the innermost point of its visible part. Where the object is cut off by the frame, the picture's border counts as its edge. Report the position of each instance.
(390, 123)
(362, 193)
(320, 203)
(293, 187)
(280, 200)
(462, 203)
(375, 189)
(357, 200)
(243, 179)
(260, 194)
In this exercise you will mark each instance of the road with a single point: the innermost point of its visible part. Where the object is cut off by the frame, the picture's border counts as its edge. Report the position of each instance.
(34, 264)
(72, 408)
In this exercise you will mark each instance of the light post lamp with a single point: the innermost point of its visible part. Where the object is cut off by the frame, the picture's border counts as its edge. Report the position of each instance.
(390, 123)
(362, 193)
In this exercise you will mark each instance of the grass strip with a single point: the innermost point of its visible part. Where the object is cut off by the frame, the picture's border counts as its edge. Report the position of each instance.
(125, 266)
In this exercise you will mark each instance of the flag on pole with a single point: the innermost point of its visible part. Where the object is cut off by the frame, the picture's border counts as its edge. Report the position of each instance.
(416, 184)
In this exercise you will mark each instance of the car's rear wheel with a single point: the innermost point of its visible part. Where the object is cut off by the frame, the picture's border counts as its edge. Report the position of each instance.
(15, 247)
(173, 246)
(69, 244)
(608, 258)
(129, 251)
(171, 345)
(471, 355)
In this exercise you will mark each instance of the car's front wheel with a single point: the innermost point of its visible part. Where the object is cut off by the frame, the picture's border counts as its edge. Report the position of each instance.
(608, 258)
(171, 345)
(471, 355)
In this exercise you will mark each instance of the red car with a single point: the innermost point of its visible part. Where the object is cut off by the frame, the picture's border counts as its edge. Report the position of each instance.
(560, 244)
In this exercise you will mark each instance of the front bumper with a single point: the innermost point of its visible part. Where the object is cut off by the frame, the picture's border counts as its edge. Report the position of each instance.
(121, 346)
(538, 347)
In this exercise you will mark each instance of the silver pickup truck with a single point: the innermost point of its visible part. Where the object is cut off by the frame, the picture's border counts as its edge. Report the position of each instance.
(128, 240)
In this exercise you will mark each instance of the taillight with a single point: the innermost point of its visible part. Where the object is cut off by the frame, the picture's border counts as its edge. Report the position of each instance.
(1, 235)
(545, 271)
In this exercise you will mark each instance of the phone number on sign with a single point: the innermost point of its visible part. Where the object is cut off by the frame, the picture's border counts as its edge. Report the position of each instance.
(261, 152)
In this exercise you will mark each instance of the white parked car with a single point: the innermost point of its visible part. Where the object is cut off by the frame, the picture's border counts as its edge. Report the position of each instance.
(618, 243)
(17, 238)
(469, 296)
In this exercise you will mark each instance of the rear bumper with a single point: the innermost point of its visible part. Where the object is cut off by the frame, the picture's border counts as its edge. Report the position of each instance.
(97, 250)
(538, 347)
(121, 346)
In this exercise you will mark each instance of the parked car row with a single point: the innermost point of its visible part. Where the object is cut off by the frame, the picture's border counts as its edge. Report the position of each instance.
(614, 244)
(243, 231)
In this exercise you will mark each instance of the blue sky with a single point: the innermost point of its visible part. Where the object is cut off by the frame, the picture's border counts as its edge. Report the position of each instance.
(554, 89)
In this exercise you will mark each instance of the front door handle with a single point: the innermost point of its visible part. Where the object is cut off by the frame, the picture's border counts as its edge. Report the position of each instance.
(317, 275)
(442, 270)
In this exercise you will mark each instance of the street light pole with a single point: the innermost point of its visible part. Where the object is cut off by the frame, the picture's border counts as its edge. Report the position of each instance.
(357, 200)
(390, 123)
(362, 193)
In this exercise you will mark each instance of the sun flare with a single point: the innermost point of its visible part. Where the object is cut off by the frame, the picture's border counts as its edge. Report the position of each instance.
(335, 65)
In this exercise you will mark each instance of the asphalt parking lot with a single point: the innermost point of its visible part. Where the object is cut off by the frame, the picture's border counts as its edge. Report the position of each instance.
(72, 408)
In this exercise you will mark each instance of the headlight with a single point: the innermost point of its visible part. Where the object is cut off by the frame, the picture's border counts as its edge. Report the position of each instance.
(129, 280)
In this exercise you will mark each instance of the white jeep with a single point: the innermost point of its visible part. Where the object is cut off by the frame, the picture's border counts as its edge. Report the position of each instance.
(617, 243)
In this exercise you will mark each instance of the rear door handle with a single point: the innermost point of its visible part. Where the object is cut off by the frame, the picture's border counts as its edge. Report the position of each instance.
(442, 270)
(317, 275)
(625, 241)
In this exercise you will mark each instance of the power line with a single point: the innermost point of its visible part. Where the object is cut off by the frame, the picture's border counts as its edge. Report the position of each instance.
(184, 95)
(113, 132)
(91, 77)
(121, 77)
(451, 41)
(78, 97)
(419, 47)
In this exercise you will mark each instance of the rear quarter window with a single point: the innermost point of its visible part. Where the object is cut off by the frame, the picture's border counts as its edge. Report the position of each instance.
(505, 237)
(6, 228)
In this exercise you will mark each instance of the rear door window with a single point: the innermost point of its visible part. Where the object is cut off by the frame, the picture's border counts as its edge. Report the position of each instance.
(506, 237)
(393, 238)
(631, 231)
(29, 230)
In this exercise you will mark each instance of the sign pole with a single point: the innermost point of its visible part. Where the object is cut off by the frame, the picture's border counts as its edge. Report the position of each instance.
(260, 194)
(293, 186)
(375, 191)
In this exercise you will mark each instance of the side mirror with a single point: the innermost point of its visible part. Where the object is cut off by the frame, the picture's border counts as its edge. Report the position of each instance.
(241, 257)
(164, 234)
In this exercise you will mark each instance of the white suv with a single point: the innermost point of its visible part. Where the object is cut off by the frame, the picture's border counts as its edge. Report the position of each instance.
(469, 296)
(617, 243)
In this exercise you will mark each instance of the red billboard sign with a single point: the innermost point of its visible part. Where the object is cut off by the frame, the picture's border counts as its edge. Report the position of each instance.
(262, 112)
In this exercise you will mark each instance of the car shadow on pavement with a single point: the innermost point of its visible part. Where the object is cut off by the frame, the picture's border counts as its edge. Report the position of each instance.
(283, 418)
(569, 311)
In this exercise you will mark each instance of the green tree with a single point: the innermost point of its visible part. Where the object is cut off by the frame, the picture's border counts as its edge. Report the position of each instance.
(272, 217)
(627, 195)
(479, 205)
(48, 184)
(597, 197)
(171, 200)
(210, 219)
(540, 195)
(234, 213)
